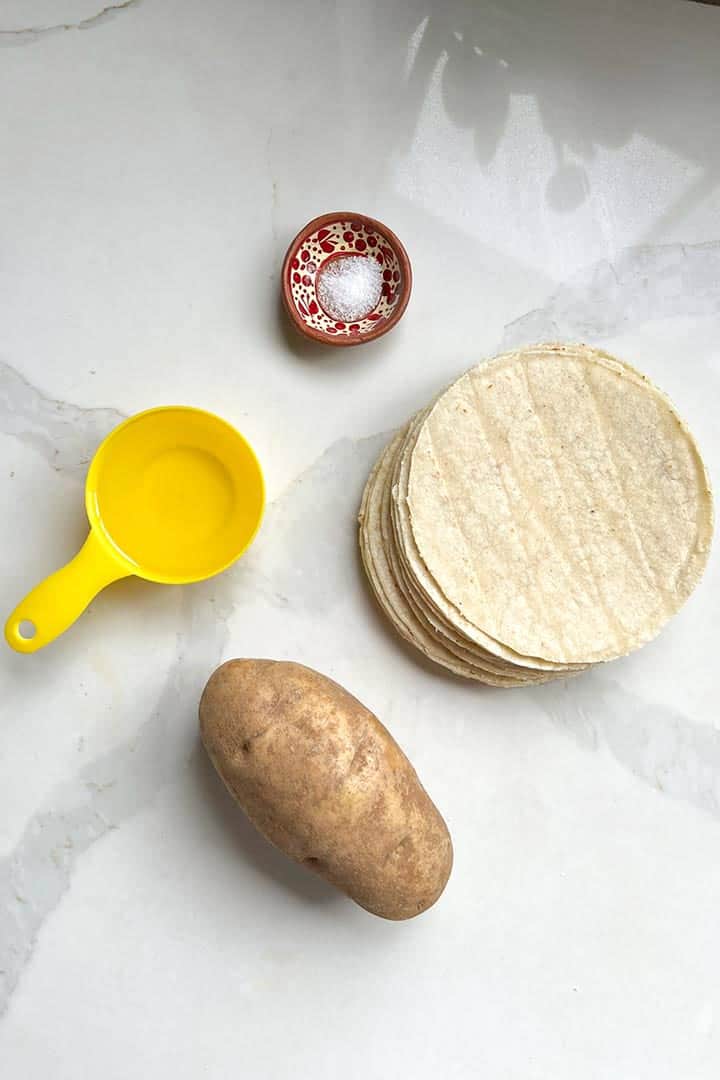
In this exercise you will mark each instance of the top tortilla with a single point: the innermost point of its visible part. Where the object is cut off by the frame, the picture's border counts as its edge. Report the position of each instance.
(560, 504)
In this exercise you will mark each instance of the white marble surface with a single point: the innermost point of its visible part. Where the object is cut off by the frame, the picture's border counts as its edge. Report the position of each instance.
(554, 170)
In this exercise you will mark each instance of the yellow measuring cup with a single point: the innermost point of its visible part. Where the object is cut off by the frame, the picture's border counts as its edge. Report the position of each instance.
(173, 495)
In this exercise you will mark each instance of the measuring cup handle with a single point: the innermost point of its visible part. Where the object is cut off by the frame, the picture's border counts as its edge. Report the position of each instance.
(56, 603)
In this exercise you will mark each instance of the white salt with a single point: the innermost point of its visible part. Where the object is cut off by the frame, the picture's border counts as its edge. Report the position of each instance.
(349, 287)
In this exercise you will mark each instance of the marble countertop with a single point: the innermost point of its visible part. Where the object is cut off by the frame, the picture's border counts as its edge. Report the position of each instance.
(554, 172)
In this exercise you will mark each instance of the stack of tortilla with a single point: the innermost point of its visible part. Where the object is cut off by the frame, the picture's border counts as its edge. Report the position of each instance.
(548, 511)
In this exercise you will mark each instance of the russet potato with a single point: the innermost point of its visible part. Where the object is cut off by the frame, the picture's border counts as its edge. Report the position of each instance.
(320, 777)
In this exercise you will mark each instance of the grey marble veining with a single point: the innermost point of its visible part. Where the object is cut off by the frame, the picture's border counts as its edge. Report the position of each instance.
(27, 34)
(63, 434)
(553, 173)
(648, 282)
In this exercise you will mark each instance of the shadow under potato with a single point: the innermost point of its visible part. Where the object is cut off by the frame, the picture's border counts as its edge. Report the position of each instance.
(245, 843)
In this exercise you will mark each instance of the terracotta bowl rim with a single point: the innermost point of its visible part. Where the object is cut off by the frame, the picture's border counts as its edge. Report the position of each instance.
(403, 298)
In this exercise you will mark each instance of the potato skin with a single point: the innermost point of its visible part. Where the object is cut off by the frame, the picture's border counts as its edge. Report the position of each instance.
(324, 781)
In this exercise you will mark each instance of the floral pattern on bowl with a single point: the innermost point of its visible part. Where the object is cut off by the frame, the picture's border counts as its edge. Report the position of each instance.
(326, 238)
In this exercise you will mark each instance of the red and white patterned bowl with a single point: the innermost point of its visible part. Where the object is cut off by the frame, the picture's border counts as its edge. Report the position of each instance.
(344, 233)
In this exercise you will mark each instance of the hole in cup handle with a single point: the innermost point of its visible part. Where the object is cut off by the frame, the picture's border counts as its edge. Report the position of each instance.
(26, 629)
(20, 634)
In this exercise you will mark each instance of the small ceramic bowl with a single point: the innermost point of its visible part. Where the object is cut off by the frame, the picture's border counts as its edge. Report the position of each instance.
(330, 237)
